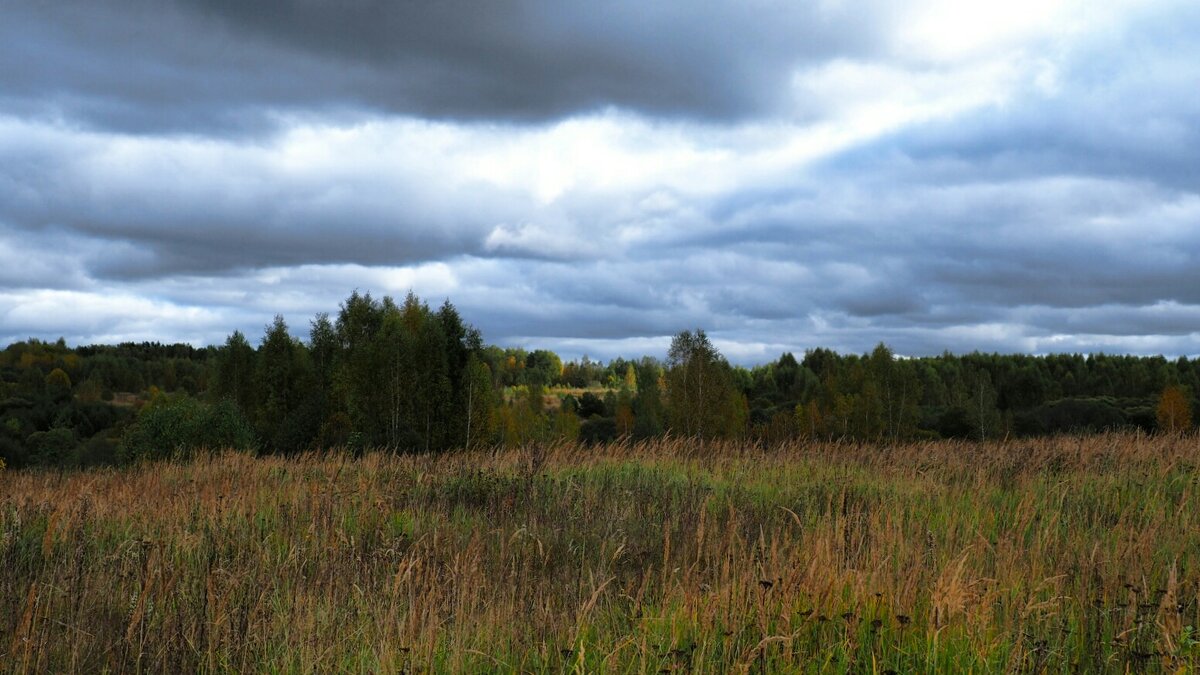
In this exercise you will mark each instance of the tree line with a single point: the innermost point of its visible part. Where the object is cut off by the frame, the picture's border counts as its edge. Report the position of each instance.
(406, 377)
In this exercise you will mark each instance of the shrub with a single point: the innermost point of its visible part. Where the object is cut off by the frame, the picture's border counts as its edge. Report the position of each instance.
(13, 453)
(598, 430)
(591, 405)
(53, 447)
(177, 426)
(58, 383)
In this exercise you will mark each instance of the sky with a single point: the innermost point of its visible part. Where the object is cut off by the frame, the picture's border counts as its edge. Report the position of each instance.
(594, 177)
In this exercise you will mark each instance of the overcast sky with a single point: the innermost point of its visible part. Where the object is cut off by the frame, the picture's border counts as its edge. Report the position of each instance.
(592, 177)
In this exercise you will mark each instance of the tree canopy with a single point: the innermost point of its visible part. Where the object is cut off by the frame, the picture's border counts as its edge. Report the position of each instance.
(406, 377)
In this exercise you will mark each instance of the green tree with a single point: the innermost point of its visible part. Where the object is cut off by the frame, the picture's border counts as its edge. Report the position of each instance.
(981, 404)
(405, 377)
(480, 399)
(701, 399)
(236, 369)
(362, 367)
(543, 367)
(325, 349)
(897, 389)
(461, 343)
(431, 390)
(288, 399)
(648, 411)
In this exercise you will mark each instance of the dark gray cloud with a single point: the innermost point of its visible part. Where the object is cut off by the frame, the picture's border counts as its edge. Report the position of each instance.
(217, 65)
(665, 171)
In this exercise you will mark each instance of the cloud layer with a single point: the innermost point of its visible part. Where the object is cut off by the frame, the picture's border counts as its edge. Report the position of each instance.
(196, 65)
(594, 179)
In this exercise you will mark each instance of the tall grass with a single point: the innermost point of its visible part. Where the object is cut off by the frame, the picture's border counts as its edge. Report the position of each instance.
(1057, 555)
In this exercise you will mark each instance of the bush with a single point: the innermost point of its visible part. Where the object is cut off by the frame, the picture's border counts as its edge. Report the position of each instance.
(956, 422)
(99, 450)
(53, 447)
(1071, 415)
(13, 453)
(598, 430)
(177, 426)
(591, 405)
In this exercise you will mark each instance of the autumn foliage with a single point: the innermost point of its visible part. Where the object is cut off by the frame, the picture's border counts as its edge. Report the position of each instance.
(1174, 412)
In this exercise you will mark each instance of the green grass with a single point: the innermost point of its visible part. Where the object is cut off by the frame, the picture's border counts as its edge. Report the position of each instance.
(1061, 555)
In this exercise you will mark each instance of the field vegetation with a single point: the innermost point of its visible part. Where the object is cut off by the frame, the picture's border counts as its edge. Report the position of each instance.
(1064, 554)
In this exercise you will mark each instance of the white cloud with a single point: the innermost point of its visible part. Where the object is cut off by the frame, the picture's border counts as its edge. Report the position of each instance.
(958, 30)
(914, 191)
(105, 317)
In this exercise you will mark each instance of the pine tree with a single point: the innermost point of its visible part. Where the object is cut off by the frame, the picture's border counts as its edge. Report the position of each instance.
(287, 387)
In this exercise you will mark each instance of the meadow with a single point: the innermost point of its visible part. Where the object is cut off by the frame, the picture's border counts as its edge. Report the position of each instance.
(1068, 554)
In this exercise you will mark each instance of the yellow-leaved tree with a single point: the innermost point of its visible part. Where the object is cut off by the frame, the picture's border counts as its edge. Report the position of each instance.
(1174, 411)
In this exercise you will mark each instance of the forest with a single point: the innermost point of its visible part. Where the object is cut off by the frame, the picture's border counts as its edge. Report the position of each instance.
(405, 377)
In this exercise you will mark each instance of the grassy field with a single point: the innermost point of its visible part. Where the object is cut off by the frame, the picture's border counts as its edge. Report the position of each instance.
(1063, 555)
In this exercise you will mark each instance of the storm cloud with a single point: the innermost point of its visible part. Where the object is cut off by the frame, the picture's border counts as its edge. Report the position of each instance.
(221, 65)
(594, 178)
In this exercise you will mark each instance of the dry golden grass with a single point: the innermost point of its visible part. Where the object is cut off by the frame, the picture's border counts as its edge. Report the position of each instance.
(1057, 555)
